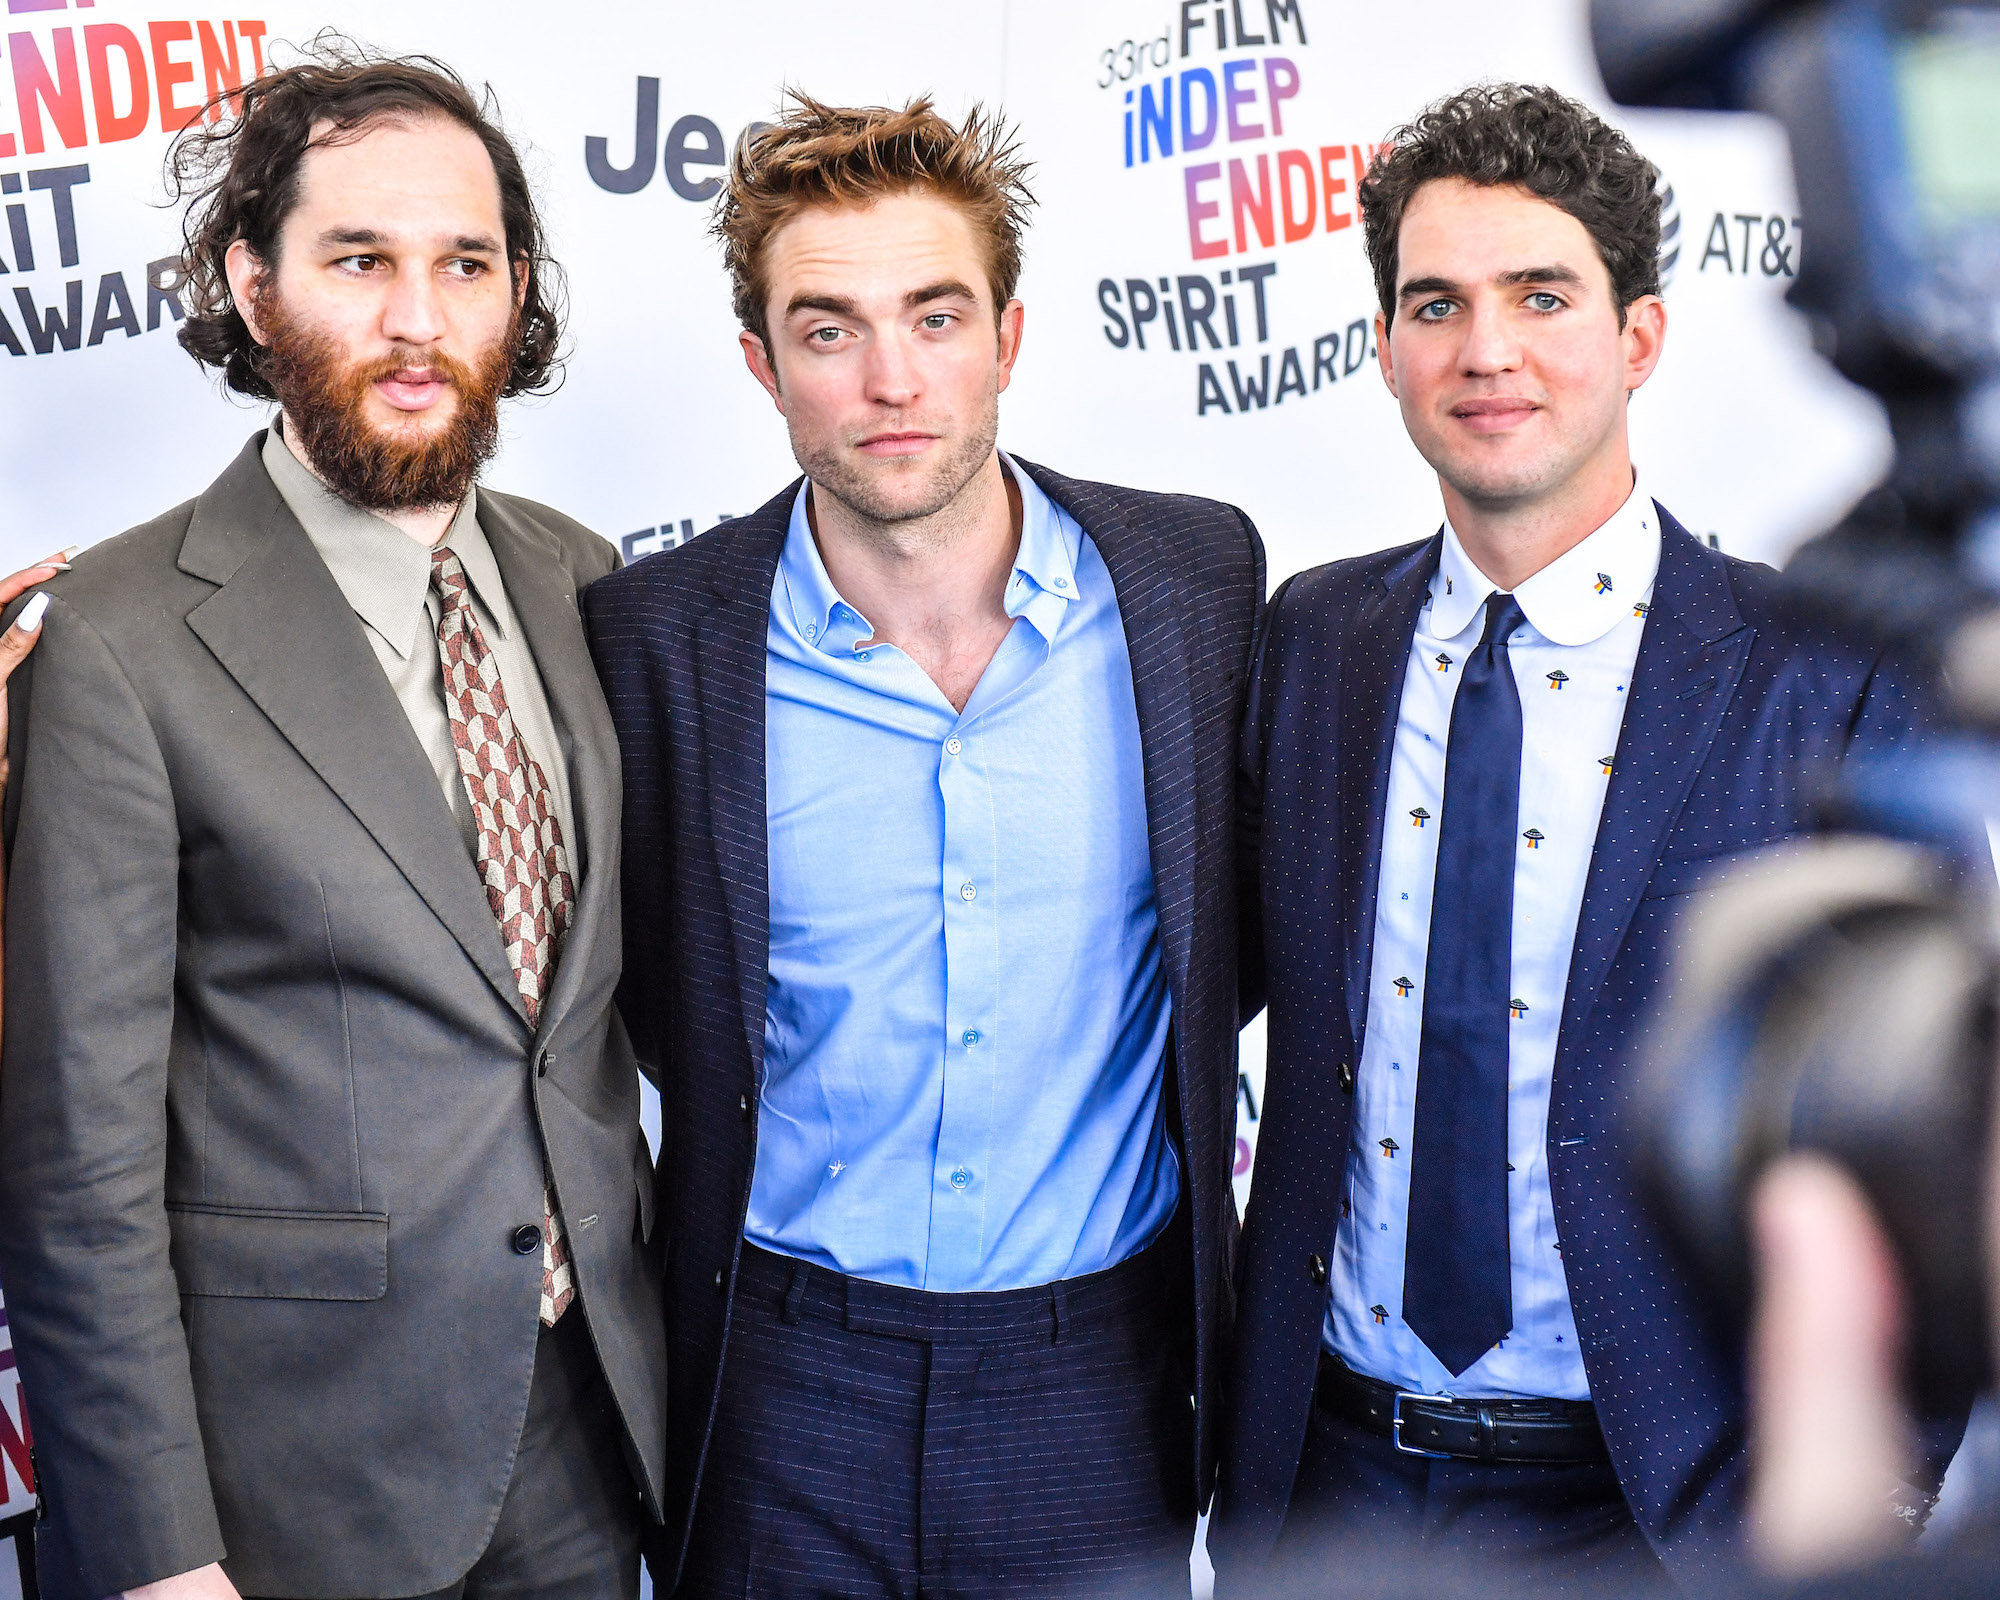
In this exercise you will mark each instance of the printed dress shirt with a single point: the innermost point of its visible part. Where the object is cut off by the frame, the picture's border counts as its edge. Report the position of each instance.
(385, 576)
(1573, 666)
(967, 1016)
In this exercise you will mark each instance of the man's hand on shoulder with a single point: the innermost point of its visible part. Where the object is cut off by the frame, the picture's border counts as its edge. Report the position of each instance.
(205, 1583)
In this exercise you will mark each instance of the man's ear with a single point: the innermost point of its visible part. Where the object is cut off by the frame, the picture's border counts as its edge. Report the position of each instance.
(758, 360)
(1012, 319)
(245, 271)
(1382, 353)
(520, 284)
(1645, 337)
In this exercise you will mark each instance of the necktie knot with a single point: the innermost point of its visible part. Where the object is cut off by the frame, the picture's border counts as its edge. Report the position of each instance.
(448, 575)
(1503, 616)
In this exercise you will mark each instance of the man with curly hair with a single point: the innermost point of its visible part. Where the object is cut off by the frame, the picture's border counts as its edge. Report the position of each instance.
(929, 927)
(324, 1204)
(1479, 774)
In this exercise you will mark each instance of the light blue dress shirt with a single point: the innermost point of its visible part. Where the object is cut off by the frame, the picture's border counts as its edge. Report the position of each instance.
(967, 1018)
(1573, 666)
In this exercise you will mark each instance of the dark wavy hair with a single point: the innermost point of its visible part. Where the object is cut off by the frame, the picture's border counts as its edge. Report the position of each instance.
(240, 174)
(1518, 135)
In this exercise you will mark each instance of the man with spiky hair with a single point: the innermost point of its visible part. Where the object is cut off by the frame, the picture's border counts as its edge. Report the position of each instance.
(324, 1204)
(929, 927)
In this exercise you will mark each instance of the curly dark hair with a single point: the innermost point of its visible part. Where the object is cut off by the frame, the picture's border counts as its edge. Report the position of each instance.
(241, 176)
(822, 155)
(1518, 135)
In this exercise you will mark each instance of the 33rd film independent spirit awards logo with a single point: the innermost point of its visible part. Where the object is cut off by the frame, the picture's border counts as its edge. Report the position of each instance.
(79, 82)
(1212, 95)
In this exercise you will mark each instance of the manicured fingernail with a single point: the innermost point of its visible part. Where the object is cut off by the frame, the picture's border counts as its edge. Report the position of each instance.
(68, 551)
(31, 614)
(52, 566)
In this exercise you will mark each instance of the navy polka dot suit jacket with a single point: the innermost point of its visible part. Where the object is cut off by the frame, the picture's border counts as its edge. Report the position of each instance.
(1738, 716)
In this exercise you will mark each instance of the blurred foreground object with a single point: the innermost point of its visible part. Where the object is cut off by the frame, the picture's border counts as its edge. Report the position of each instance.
(1838, 999)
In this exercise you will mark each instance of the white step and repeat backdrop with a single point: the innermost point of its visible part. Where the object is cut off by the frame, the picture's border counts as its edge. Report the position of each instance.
(1198, 303)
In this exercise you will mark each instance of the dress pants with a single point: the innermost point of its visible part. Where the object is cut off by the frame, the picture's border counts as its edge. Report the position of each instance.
(569, 1523)
(881, 1441)
(1362, 1505)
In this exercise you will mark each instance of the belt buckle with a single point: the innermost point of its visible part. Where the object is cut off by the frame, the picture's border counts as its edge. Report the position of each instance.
(1396, 1427)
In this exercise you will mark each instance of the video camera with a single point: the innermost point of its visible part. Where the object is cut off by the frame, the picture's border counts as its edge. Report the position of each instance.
(1841, 996)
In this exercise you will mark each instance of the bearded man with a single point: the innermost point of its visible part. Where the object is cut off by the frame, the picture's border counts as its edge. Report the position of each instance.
(325, 1199)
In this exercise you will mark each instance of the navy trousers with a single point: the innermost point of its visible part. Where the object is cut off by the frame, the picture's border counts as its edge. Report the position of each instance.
(873, 1440)
(1361, 1506)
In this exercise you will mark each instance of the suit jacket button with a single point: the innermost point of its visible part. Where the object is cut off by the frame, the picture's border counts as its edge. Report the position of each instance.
(1344, 1076)
(718, 1280)
(527, 1239)
(1316, 1269)
(543, 1064)
(743, 1105)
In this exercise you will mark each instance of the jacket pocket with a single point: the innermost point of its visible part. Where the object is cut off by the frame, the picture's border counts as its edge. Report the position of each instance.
(252, 1253)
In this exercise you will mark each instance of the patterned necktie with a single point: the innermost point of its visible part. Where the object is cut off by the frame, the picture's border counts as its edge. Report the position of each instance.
(521, 856)
(1458, 1292)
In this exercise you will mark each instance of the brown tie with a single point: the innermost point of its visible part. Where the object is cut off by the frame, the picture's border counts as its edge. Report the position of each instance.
(521, 855)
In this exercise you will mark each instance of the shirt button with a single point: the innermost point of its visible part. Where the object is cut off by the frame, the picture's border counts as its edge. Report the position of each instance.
(1344, 1076)
(960, 1177)
(968, 891)
(1062, 583)
(971, 1037)
(953, 745)
(1316, 1269)
(527, 1239)
(812, 630)
(861, 655)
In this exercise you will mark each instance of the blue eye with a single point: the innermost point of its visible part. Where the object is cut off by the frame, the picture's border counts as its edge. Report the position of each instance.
(1542, 300)
(1435, 311)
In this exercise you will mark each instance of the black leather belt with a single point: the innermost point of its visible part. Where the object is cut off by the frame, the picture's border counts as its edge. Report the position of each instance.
(1540, 1431)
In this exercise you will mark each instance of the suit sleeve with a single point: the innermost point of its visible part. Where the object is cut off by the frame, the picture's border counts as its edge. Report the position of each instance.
(617, 650)
(94, 1309)
(1250, 824)
(1894, 713)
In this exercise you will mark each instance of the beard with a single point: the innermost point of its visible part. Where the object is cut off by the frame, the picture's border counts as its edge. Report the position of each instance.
(325, 398)
(888, 493)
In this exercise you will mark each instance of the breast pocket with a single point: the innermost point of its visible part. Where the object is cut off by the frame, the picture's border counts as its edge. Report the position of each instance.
(1682, 876)
(251, 1253)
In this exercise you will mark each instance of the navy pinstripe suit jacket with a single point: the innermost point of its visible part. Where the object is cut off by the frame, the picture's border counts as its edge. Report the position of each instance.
(679, 642)
(1737, 715)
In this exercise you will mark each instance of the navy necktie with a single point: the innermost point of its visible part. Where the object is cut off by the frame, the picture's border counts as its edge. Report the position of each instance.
(1457, 1287)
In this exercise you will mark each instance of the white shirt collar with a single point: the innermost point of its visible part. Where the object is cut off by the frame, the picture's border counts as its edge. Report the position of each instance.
(1578, 597)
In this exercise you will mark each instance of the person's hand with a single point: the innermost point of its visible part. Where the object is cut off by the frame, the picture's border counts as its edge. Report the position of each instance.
(1830, 1437)
(207, 1583)
(18, 640)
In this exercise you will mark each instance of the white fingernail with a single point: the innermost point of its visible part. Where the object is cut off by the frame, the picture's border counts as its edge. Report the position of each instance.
(31, 614)
(68, 551)
(52, 566)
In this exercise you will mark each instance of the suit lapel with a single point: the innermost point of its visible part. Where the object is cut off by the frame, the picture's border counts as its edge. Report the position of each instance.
(280, 627)
(1691, 659)
(542, 591)
(1368, 685)
(1153, 600)
(729, 665)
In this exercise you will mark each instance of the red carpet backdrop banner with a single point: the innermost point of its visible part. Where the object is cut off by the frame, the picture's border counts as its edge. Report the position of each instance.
(1198, 306)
